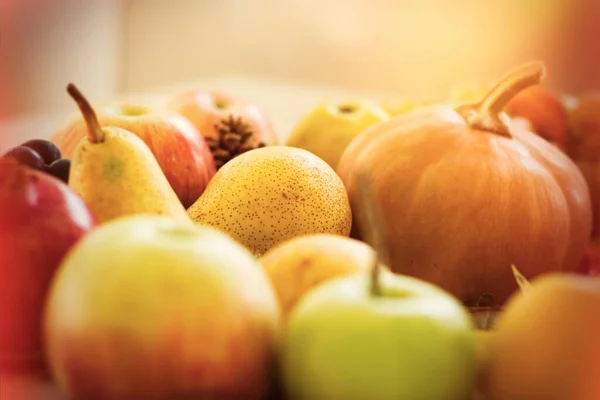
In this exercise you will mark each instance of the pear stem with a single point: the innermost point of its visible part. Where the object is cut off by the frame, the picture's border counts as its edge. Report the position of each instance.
(95, 133)
(486, 115)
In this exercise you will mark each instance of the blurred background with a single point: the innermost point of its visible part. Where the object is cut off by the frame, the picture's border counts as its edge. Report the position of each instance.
(282, 54)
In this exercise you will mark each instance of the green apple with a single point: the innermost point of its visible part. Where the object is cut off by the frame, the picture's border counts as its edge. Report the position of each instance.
(409, 340)
(146, 307)
(329, 128)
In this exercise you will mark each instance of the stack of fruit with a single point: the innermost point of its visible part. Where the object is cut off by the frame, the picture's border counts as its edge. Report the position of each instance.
(183, 252)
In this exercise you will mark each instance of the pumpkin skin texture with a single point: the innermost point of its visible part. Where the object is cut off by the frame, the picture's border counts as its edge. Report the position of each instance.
(464, 199)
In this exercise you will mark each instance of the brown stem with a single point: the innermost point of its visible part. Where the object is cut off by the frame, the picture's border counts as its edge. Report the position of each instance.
(376, 232)
(486, 115)
(375, 283)
(95, 133)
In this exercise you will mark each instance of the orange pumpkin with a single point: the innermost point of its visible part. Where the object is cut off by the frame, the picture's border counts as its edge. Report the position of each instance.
(465, 192)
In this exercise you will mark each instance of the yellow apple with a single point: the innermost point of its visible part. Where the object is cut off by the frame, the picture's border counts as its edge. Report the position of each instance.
(327, 129)
(300, 264)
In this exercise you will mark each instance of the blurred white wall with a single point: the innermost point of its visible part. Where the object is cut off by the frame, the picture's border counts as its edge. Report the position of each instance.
(46, 44)
(109, 47)
(382, 45)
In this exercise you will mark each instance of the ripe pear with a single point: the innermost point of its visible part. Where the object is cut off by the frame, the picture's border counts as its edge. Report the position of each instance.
(116, 174)
(298, 265)
(272, 194)
(329, 128)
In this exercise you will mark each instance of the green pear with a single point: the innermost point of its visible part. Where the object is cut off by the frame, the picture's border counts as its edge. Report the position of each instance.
(272, 194)
(116, 174)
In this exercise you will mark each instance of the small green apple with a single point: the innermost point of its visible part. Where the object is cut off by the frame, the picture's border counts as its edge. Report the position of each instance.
(327, 129)
(411, 340)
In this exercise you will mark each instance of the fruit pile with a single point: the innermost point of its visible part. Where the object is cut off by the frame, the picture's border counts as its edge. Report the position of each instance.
(406, 250)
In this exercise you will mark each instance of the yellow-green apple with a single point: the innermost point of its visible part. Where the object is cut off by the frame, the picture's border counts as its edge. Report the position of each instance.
(147, 307)
(545, 345)
(181, 151)
(40, 220)
(230, 125)
(406, 340)
(328, 129)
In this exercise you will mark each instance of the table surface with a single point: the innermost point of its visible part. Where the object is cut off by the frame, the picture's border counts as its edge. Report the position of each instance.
(35, 388)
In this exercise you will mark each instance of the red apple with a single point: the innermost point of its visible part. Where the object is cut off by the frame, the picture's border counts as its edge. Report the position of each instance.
(179, 148)
(590, 265)
(151, 308)
(40, 220)
(215, 114)
(583, 145)
(545, 110)
(571, 123)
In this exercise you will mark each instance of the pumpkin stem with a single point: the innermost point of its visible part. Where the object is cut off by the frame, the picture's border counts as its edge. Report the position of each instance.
(487, 114)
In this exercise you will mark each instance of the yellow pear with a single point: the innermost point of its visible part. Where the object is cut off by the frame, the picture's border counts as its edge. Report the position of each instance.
(300, 264)
(329, 128)
(116, 174)
(272, 194)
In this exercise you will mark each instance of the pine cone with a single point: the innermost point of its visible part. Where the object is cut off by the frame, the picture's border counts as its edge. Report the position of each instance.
(234, 139)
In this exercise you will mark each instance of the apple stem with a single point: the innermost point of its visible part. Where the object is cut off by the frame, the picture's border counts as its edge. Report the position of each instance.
(376, 231)
(95, 133)
(486, 115)
(375, 273)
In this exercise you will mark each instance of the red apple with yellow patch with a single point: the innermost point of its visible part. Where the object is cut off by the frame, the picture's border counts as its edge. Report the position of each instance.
(179, 148)
(231, 126)
(148, 308)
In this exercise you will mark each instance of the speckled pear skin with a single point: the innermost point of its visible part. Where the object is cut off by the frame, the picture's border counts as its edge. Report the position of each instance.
(120, 176)
(272, 194)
